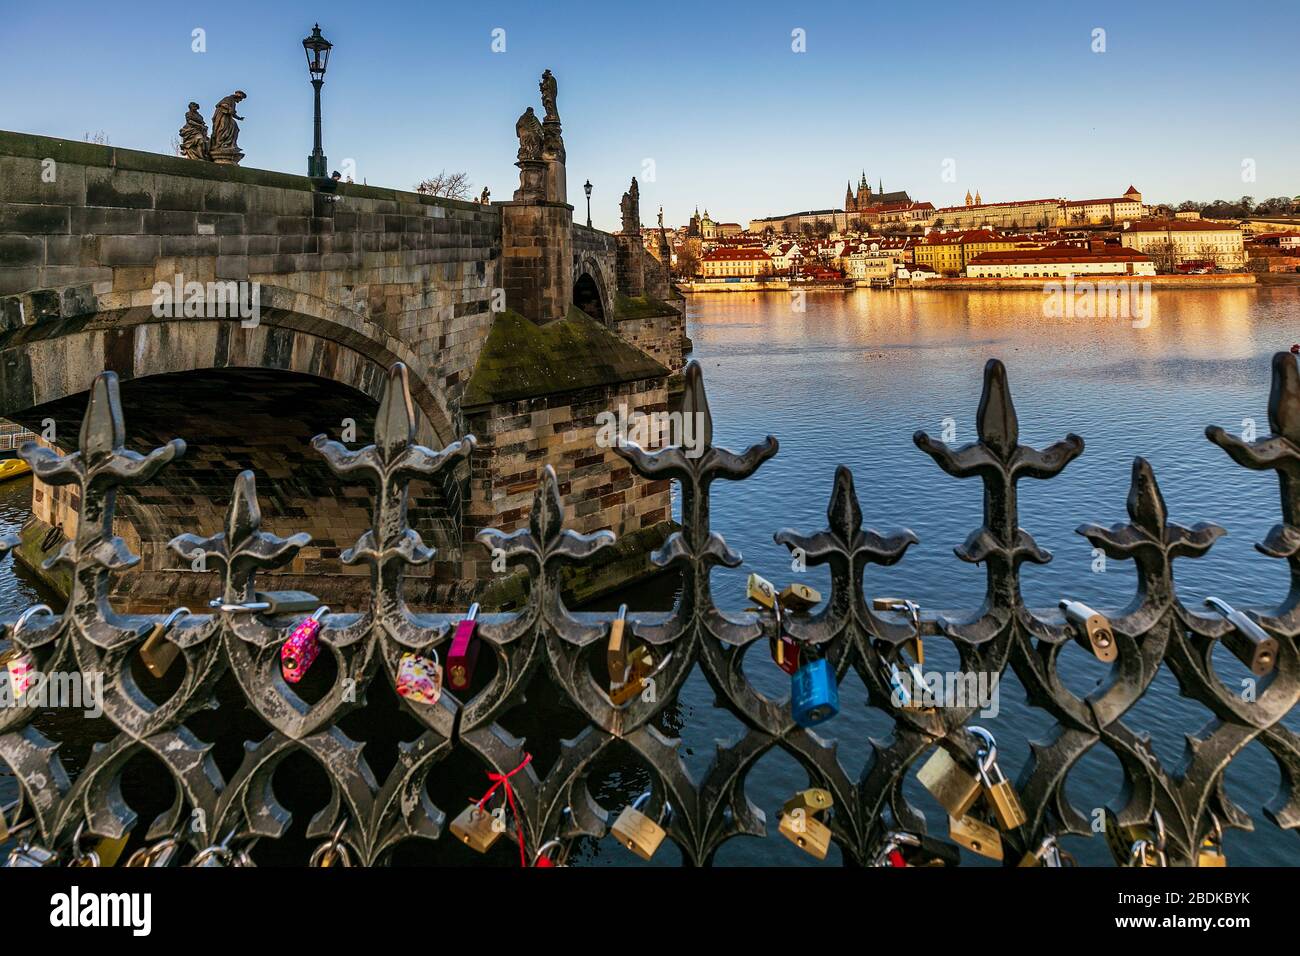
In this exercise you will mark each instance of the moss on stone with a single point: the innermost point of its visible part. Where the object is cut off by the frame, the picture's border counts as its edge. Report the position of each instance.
(640, 307)
(521, 359)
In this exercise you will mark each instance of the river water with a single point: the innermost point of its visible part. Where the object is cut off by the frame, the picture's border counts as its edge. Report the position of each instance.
(849, 380)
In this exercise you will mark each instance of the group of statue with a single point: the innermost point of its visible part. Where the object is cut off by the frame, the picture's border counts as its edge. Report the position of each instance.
(223, 145)
(536, 137)
(631, 208)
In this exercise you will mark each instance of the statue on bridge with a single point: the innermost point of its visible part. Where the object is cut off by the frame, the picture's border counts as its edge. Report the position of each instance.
(529, 131)
(225, 131)
(631, 206)
(194, 135)
(549, 89)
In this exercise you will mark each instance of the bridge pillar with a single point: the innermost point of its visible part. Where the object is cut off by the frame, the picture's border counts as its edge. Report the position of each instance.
(537, 258)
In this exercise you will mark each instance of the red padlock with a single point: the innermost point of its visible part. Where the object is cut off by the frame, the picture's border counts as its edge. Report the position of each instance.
(544, 857)
(302, 647)
(464, 652)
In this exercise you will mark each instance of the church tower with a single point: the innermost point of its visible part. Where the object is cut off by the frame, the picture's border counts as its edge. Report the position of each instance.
(969, 200)
(850, 204)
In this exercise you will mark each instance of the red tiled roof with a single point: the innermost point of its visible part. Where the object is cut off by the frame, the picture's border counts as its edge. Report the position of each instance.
(1057, 254)
(1179, 225)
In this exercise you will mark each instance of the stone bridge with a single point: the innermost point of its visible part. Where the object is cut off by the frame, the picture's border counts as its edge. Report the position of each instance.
(117, 259)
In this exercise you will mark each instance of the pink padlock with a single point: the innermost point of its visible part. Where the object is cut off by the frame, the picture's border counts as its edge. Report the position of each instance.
(419, 679)
(302, 647)
(20, 664)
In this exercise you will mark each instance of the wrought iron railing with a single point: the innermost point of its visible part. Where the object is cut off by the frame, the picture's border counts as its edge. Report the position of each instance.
(369, 817)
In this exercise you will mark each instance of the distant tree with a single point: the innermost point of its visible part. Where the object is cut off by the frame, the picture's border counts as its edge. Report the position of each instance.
(1190, 205)
(1257, 264)
(688, 262)
(1163, 256)
(1208, 253)
(1246, 204)
(446, 185)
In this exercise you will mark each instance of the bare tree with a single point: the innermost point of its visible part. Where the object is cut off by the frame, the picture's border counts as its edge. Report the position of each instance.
(1164, 257)
(688, 263)
(445, 184)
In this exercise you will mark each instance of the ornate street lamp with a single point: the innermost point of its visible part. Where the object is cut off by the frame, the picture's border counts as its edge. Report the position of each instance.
(586, 188)
(318, 57)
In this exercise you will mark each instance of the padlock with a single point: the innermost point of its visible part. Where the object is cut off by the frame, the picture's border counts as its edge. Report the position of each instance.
(1002, 796)
(1093, 627)
(814, 694)
(1049, 853)
(552, 853)
(20, 665)
(1211, 851)
(164, 853)
(914, 647)
(643, 670)
(333, 852)
(761, 591)
(785, 649)
(976, 835)
(270, 603)
(899, 691)
(638, 832)
(900, 848)
(1140, 844)
(157, 652)
(221, 855)
(1247, 641)
(302, 647)
(616, 652)
(799, 824)
(799, 597)
(950, 783)
(464, 651)
(477, 828)
(104, 853)
(419, 679)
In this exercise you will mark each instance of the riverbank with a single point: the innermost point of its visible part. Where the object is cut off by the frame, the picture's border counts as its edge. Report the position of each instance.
(1226, 280)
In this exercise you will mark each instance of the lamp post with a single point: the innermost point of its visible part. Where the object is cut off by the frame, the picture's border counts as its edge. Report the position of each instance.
(586, 188)
(317, 49)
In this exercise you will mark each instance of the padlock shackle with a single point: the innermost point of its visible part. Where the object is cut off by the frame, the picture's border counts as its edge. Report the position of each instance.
(622, 612)
(251, 607)
(320, 612)
(28, 614)
(472, 613)
(990, 749)
(173, 617)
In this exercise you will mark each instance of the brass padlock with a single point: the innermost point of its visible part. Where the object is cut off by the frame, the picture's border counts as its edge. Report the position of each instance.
(976, 835)
(761, 591)
(914, 646)
(799, 597)
(333, 852)
(104, 853)
(616, 652)
(1140, 844)
(163, 853)
(640, 666)
(949, 782)
(1247, 641)
(801, 827)
(1211, 851)
(157, 652)
(477, 828)
(1001, 794)
(1094, 627)
(638, 832)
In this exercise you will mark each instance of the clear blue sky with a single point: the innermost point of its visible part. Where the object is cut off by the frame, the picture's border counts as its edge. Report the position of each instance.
(711, 92)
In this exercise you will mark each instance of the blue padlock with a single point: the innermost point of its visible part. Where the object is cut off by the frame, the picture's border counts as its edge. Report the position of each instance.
(814, 695)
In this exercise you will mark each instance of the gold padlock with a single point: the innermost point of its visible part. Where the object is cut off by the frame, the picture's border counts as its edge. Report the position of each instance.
(1211, 851)
(1001, 794)
(1094, 627)
(914, 647)
(801, 827)
(616, 652)
(638, 832)
(799, 597)
(976, 835)
(157, 652)
(949, 782)
(477, 828)
(640, 666)
(761, 591)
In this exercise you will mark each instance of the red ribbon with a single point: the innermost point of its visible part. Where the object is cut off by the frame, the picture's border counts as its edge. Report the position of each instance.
(498, 779)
